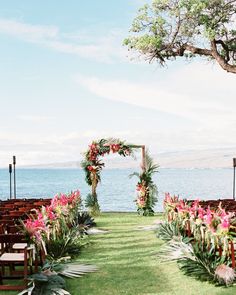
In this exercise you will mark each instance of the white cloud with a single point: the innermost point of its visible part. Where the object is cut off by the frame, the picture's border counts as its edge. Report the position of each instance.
(102, 49)
(195, 92)
(35, 118)
(27, 32)
(203, 95)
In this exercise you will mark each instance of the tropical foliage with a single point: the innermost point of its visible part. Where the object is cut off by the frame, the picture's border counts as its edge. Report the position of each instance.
(167, 29)
(146, 188)
(50, 281)
(83, 221)
(59, 226)
(60, 231)
(201, 240)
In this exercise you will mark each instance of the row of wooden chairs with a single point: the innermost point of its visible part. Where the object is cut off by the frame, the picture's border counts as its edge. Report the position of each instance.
(18, 258)
(228, 204)
(22, 202)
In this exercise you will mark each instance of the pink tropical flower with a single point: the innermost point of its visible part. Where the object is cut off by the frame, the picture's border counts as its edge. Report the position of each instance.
(74, 197)
(35, 228)
(225, 224)
(50, 213)
(208, 216)
(141, 202)
(201, 213)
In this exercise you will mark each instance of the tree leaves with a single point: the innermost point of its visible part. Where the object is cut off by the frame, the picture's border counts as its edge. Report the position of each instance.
(166, 29)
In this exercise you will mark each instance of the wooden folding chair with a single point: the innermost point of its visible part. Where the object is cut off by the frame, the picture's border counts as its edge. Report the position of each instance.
(9, 260)
(14, 229)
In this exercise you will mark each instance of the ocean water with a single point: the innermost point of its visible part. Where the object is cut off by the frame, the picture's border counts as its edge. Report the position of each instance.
(116, 192)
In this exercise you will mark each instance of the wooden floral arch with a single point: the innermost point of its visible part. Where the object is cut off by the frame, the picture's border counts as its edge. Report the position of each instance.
(92, 165)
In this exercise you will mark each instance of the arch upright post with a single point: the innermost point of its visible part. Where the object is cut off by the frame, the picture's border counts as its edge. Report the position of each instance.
(234, 167)
(143, 158)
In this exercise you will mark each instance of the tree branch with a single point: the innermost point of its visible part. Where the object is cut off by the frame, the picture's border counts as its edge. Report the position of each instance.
(197, 50)
(225, 47)
(221, 61)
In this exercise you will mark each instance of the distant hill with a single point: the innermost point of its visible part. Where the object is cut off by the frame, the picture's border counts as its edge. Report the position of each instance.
(59, 165)
(215, 158)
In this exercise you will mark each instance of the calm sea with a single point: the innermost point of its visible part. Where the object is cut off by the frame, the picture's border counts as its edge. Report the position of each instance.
(116, 192)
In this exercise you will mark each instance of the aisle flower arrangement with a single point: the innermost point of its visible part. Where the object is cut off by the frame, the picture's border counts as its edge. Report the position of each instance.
(53, 219)
(214, 227)
(58, 232)
(203, 239)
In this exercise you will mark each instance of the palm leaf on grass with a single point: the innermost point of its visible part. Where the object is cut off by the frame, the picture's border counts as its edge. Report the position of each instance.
(176, 249)
(197, 261)
(168, 230)
(74, 270)
(50, 281)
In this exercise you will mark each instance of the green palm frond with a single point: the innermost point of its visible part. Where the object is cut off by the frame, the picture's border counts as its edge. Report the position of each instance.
(151, 167)
(134, 174)
(176, 249)
(74, 270)
(194, 260)
(202, 265)
(167, 231)
(50, 281)
(59, 291)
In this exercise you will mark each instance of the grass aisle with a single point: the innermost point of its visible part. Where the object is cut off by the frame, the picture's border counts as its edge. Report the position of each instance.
(128, 264)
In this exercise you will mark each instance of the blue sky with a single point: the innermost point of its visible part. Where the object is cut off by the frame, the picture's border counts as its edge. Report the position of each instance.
(66, 79)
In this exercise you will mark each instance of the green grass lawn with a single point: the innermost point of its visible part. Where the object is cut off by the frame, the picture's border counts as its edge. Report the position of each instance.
(128, 264)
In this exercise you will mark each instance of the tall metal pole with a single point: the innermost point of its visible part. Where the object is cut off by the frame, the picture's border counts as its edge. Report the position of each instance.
(14, 175)
(234, 166)
(10, 172)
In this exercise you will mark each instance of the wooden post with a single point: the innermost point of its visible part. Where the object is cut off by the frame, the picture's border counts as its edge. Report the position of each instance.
(220, 251)
(94, 185)
(143, 158)
(188, 229)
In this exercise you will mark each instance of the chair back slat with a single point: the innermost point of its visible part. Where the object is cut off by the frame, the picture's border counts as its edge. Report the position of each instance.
(12, 238)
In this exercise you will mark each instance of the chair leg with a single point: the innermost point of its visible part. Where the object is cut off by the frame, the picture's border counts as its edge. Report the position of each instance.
(25, 272)
(11, 268)
(3, 269)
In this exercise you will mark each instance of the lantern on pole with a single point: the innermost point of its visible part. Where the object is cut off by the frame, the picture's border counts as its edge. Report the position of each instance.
(10, 172)
(14, 175)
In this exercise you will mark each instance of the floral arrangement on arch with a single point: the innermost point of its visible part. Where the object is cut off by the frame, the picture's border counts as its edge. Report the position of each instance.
(93, 165)
(146, 190)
